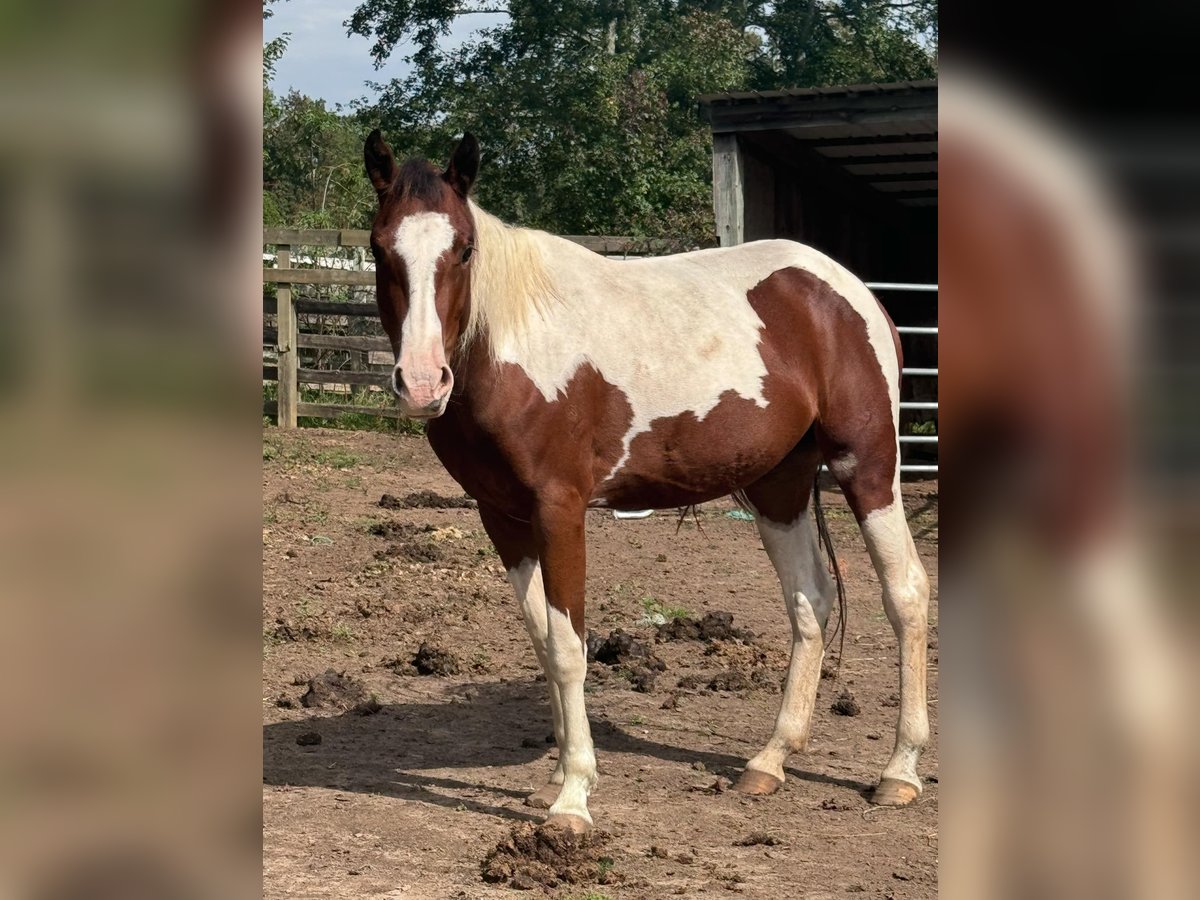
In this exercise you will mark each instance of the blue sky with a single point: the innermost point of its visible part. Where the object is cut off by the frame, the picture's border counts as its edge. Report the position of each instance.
(321, 61)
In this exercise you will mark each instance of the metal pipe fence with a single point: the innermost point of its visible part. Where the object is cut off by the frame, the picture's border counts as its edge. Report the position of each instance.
(914, 371)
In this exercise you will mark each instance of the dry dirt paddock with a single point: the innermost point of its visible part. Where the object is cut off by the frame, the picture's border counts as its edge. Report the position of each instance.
(389, 783)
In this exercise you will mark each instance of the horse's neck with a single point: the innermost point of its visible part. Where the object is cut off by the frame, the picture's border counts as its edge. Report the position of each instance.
(518, 283)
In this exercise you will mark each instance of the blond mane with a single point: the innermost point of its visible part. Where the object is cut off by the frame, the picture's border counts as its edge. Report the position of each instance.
(509, 282)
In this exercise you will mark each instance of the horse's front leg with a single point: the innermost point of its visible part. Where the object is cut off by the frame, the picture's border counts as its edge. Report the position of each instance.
(558, 530)
(514, 542)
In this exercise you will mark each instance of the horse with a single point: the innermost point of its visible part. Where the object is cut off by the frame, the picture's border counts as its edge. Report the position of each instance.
(552, 380)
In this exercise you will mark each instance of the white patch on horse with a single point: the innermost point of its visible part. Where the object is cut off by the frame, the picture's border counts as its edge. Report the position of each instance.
(526, 580)
(421, 240)
(567, 668)
(672, 334)
(906, 602)
(808, 592)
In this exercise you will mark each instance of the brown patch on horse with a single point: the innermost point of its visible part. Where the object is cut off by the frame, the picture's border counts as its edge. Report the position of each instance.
(854, 413)
(502, 439)
(836, 382)
(683, 460)
(536, 461)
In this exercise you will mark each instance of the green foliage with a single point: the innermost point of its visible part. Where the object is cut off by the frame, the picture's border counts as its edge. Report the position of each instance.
(656, 613)
(351, 419)
(587, 110)
(274, 48)
(336, 458)
(579, 140)
(312, 165)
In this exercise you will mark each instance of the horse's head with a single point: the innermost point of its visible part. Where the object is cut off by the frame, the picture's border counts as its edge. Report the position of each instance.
(423, 240)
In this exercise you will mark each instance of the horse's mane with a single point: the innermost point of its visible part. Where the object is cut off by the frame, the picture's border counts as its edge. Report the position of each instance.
(509, 282)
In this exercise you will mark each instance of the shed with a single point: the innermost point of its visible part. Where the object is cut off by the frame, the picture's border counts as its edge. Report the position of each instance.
(851, 170)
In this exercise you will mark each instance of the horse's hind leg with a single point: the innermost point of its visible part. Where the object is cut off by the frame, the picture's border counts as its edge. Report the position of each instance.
(514, 543)
(867, 468)
(783, 512)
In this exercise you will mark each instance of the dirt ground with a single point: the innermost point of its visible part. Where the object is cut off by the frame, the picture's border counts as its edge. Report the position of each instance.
(389, 783)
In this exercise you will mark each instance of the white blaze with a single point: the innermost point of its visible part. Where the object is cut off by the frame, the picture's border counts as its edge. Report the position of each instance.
(420, 241)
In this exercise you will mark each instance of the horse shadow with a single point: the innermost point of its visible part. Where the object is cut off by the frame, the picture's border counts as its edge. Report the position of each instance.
(491, 724)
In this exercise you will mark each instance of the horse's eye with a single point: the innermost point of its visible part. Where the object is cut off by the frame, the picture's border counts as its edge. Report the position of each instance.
(467, 251)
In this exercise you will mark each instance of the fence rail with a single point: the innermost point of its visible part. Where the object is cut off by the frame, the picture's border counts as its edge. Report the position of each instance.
(288, 340)
(606, 245)
(914, 371)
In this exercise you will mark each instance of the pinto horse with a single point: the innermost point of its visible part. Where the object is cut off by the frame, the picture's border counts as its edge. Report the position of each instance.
(554, 380)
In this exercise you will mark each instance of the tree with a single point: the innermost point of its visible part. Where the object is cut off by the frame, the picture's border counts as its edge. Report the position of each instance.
(587, 108)
(312, 165)
(274, 48)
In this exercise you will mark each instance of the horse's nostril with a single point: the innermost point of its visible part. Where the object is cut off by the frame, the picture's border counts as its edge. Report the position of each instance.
(447, 378)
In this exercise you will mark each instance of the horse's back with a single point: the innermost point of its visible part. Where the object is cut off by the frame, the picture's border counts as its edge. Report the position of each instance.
(721, 274)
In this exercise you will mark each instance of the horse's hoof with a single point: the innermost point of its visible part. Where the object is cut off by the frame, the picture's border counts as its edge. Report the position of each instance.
(543, 797)
(577, 824)
(894, 792)
(757, 784)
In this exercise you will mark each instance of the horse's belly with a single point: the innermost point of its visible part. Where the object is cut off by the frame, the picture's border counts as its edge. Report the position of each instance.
(684, 459)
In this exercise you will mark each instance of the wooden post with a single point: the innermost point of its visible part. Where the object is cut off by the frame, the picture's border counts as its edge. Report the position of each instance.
(285, 345)
(358, 363)
(728, 189)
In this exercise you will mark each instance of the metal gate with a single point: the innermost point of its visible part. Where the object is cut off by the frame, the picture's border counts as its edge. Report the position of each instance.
(909, 372)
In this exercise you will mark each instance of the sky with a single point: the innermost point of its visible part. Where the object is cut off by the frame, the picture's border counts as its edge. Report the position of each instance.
(321, 61)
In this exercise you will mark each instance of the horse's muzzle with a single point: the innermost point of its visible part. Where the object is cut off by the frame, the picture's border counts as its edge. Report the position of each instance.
(423, 393)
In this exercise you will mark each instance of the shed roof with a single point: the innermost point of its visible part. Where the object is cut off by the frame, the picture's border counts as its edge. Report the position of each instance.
(882, 134)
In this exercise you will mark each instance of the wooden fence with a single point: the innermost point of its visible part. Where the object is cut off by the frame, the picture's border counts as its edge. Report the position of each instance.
(289, 319)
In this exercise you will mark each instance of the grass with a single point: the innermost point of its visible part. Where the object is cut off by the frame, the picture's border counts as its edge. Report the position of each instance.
(362, 417)
(286, 452)
(342, 632)
(837, 513)
(336, 458)
(315, 514)
(290, 450)
(657, 613)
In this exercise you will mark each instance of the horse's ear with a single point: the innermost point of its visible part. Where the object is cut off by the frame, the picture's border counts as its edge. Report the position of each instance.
(381, 165)
(464, 165)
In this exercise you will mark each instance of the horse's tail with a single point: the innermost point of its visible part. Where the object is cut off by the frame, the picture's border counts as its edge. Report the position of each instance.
(827, 543)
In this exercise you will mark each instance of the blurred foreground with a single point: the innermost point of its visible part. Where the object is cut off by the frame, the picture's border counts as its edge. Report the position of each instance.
(1067, 670)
